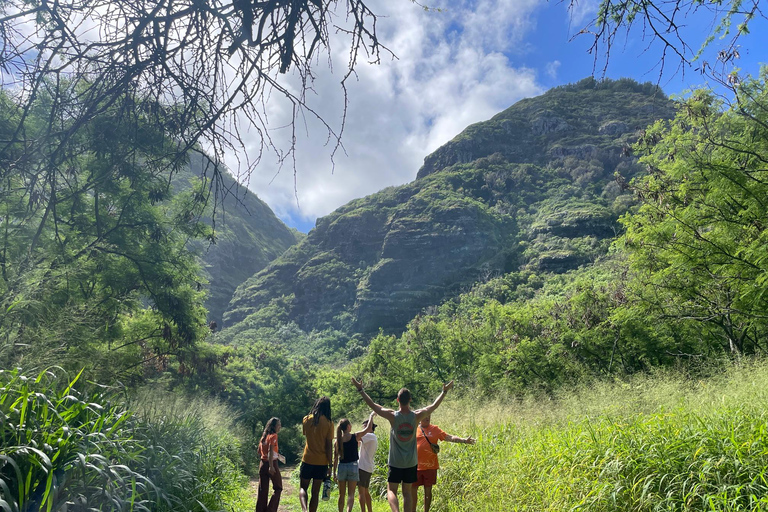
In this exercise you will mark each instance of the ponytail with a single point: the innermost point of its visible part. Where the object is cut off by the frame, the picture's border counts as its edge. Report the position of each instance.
(343, 424)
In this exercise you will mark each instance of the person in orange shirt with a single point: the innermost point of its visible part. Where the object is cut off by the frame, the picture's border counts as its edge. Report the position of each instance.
(268, 469)
(317, 427)
(427, 438)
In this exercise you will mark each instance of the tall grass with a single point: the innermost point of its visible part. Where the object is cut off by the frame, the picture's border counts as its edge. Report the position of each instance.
(671, 441)
(74, 447)
(662, 442)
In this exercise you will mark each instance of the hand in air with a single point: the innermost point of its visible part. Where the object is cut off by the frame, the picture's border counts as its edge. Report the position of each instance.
(358, 384)
(447, 387)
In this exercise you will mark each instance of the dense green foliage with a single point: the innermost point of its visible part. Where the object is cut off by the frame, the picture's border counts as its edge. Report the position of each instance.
(97, 276)
(65, 447)
(532, 189)
(93, 263)
(507, 271)
(699, 243)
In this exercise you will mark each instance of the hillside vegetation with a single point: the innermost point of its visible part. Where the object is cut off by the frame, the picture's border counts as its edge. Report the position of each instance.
(532, 188)
(248, 235)
(631, 248)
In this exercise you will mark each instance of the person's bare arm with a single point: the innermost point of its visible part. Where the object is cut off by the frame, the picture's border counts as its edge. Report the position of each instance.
(457, 439)
(271, 459)
(368, 427)
(427, 411)
(385, 413)
(329, 453)
(335, 460)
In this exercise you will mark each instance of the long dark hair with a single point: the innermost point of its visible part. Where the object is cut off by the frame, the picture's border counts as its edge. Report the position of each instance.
(269, 428)
(322, 407)
(343, 424)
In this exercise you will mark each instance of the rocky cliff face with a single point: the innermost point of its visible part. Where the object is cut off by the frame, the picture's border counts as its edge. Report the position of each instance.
(248, 237)
(531, 188)
(575, 120)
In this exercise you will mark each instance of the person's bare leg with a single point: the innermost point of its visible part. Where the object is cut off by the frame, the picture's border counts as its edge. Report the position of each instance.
(304, 485)
(342, 494)
(392, 496)
(365, 499)
(407, 497)
(351, 495)
(361, 498)
(368, 501)
(415, 498)
(427, 497)
(315, 497)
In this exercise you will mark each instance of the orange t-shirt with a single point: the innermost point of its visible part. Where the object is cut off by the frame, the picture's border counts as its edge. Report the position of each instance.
(318, 436)
(269, 442)
(428, 458)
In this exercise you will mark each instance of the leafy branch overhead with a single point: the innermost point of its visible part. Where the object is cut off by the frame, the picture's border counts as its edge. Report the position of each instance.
(666, 27)
(188, 66)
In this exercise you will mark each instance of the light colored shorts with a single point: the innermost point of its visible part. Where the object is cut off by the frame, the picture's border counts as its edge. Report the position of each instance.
(347, 472)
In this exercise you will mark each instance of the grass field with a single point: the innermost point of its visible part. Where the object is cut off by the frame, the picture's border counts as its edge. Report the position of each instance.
(662, 442)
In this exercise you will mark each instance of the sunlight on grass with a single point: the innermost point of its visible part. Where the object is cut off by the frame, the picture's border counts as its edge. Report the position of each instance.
(659, 442)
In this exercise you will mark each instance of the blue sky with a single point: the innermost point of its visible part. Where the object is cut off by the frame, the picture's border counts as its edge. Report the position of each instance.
(453, 68)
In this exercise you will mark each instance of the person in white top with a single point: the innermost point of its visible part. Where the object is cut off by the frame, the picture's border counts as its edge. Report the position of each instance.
(368, 445)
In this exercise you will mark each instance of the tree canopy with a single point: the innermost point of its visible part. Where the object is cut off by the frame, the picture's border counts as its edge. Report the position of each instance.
(698, 243)
(193, 69)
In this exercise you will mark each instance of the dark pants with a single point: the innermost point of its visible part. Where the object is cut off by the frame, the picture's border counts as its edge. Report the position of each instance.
(277, 486)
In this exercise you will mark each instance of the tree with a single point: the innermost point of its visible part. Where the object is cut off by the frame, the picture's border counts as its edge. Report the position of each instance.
(189, 67)
(93, 258)
(102, 102)
(698, 242)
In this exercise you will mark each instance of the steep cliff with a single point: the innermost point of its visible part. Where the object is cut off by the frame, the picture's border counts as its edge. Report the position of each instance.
(248, 235)
(533, 187)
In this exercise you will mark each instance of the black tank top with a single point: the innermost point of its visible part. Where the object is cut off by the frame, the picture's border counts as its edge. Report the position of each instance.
(350, 450)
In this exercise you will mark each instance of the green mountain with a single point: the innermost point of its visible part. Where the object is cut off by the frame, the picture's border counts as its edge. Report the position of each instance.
(248, 235)
(538, 187)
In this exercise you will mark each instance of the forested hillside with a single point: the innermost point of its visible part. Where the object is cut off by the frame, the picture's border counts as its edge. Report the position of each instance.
(248, 235)
(628, 251)
(539, 187)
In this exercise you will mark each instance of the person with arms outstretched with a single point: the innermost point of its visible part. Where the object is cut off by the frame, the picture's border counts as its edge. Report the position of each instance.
(317, 427)
(427, 438)
(402, 459)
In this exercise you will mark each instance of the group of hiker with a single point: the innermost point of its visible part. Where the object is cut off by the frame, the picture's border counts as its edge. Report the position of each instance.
(412, 461)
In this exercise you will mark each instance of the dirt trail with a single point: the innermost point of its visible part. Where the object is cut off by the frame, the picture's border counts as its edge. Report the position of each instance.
(290, 492)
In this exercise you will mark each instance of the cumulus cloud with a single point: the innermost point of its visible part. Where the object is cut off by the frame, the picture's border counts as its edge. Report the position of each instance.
(551, 69)
(582, 11)
(452, 69)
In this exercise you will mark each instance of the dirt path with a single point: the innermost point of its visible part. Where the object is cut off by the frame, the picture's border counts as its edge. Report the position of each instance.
(290, 492)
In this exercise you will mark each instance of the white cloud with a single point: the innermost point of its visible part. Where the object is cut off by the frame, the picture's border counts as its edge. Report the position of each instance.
(551, 69)
(451, 71)
(581, 12)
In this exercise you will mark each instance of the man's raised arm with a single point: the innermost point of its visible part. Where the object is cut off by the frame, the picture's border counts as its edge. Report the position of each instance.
(427, 411)
(385, 413)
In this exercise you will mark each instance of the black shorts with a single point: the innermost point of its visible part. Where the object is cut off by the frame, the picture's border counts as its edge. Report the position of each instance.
(312, 471)
(365, 479)
(404, 475)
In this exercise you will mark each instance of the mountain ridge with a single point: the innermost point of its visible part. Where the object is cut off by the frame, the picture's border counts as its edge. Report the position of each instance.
(539, 192)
